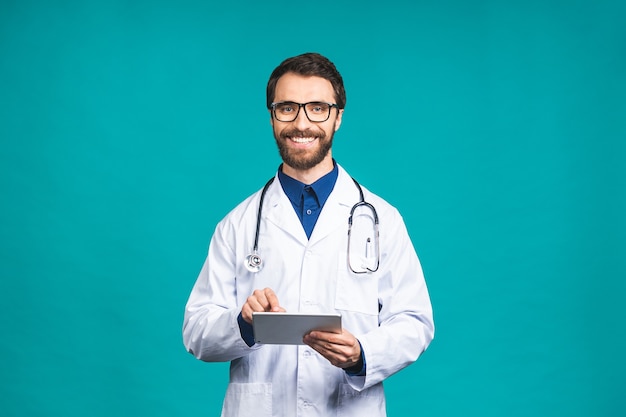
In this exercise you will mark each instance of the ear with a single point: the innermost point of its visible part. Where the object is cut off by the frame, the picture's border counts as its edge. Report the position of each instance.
(338, 120)
(271, 118)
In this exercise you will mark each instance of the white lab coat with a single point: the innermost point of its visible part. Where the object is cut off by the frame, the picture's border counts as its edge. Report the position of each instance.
(389, 311)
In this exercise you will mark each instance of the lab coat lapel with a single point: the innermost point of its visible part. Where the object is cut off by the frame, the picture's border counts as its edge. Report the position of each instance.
(337, 208)
(279, 211)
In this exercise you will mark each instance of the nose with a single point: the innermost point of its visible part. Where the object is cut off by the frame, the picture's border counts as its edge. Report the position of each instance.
(302, 122)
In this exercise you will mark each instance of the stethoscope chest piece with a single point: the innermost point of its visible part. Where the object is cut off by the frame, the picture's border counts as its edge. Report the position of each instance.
(253, 262)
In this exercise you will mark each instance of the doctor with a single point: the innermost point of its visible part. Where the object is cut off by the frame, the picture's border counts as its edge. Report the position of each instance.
(308, 265)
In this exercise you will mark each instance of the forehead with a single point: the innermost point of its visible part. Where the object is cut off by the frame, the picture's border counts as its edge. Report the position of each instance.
(302, 89)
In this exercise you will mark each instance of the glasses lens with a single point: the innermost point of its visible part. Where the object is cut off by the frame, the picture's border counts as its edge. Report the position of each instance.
(317, 112)
(286, 111)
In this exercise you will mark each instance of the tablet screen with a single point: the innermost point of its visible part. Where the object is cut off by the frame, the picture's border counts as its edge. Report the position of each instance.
(290, 328)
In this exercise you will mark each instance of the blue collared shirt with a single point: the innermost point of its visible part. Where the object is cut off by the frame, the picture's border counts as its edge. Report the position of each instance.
(308, 200)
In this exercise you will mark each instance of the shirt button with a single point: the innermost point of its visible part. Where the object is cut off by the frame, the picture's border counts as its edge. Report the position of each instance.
(308, 212)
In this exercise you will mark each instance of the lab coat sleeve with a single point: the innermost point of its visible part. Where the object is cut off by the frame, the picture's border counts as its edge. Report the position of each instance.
(406, 325)
(210, 329)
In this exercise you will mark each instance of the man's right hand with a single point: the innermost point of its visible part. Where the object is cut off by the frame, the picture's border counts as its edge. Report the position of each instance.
(260, 300)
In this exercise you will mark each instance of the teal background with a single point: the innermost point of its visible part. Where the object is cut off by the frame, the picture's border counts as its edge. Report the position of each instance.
(130, 128)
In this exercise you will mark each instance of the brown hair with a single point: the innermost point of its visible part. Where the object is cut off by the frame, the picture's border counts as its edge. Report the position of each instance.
(309, 64)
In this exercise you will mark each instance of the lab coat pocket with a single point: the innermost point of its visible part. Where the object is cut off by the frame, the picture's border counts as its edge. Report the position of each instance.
(352, 403)
(244, 400)
(356, 292)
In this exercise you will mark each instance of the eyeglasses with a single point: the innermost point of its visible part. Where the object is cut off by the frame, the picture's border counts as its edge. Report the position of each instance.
(316, 111)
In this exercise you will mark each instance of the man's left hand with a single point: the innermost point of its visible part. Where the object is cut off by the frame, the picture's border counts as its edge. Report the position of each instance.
(341, 349)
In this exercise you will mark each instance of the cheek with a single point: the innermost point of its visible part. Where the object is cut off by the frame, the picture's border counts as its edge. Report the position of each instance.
(276, 130)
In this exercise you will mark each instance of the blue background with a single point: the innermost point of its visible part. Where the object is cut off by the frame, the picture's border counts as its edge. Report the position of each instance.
(130, 128)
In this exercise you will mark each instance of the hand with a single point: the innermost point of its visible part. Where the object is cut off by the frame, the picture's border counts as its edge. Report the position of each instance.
(341, 349)
(260, 300)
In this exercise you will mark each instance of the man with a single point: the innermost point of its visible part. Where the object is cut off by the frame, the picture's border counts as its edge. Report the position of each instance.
(307, 262)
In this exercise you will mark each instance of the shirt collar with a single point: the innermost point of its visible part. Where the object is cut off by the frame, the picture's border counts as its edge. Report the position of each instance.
(322, 187)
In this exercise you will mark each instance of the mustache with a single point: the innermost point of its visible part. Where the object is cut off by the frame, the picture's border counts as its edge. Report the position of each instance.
(297, 133)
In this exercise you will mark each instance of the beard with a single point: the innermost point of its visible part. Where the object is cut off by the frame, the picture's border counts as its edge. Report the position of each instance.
(303, 159)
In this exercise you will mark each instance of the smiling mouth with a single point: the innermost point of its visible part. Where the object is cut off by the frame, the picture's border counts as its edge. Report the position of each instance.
(302, 140)
(302, 137)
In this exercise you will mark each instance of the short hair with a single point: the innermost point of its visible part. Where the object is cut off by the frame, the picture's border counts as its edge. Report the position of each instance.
(308, 64)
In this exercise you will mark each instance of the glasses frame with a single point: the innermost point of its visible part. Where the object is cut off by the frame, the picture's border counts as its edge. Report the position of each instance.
(302, 106)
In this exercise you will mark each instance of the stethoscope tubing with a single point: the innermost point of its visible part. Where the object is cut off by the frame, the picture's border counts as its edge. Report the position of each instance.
(255, 248)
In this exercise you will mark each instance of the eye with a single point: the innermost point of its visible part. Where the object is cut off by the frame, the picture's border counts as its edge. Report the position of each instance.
(318, 108)
(286, 107)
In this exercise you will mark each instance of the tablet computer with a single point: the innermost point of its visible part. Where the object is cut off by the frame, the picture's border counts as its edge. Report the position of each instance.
(290, 328)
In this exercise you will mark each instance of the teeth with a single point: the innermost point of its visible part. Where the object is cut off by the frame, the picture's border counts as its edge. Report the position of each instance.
(303, 140)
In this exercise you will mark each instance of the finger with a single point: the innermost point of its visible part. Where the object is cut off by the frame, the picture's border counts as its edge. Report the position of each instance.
(255, 303)
(341, 358)
(336, 358)
(320, 347)
(246, 313)
(272, 300)
(331, 338)
(324, 346)
(259, 299)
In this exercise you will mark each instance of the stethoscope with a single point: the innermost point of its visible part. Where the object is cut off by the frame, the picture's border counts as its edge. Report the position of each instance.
(254, 262)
